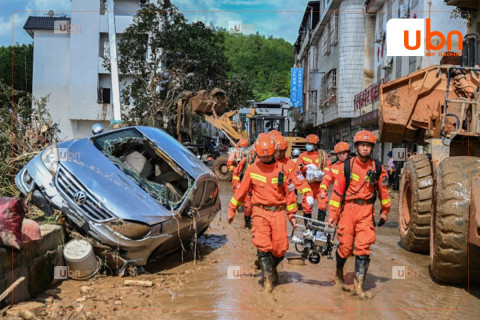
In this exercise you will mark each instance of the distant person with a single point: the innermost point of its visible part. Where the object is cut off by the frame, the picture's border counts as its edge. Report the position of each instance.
(391, 170)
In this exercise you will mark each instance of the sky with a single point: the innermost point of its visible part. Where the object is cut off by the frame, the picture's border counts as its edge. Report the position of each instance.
(280, 18)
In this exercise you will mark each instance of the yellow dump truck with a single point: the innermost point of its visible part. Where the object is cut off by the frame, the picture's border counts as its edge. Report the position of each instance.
(439, 205)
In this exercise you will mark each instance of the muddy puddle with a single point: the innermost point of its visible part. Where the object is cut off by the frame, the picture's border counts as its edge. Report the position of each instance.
(201, 289)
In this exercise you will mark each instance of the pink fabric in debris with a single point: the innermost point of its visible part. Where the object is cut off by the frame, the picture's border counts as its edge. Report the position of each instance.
(12, 212)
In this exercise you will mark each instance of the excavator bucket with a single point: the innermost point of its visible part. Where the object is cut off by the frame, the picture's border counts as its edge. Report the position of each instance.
(411, 108)
(207, 103)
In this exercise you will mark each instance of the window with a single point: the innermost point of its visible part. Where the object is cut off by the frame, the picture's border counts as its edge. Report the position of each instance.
(329, 86)
(379, 72)
(398, 67)
(334, 28)
(104, 95)
(412, 61)
(414, 3)
(325, 42)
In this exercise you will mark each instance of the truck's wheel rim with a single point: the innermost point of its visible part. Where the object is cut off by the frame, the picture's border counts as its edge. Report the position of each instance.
(407, 205)
(223, 169)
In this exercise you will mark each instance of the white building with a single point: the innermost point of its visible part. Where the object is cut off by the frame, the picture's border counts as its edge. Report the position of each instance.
(67, 64)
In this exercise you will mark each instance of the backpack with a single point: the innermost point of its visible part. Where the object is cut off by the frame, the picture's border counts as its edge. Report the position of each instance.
(348, 174)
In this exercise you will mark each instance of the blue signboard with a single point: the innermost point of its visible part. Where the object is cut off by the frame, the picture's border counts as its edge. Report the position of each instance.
(296, 88)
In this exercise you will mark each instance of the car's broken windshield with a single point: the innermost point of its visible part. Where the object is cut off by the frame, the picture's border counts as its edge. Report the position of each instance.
(146, 164)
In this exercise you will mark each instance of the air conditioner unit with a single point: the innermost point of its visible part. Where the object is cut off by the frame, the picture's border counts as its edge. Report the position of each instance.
(403, 11)
(144, 2)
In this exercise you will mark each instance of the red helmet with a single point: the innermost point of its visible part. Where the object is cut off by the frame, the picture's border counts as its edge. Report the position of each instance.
(341, 147)
(280, 143)
(243, 143)
(312, 139)
(364, 136)
(274, 133)
(264, 146)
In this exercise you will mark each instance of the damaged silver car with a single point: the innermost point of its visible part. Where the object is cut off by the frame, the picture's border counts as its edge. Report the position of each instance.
(134, 189)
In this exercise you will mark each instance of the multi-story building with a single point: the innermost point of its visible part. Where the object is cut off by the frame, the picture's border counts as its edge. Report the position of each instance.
(68, 64)
(343, 53)
(380, 68)
(331, 52)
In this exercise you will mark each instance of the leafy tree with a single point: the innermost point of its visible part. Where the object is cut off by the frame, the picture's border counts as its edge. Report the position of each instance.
(264, 60)
(162, 55)
(22, 56)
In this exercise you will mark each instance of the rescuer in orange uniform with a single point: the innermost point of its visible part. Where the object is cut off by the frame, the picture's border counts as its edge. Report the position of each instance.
(272, 197)
(288, 165)
(235, 157)
(351, 205)
(238, 173)
(310, 159)
(342, 151)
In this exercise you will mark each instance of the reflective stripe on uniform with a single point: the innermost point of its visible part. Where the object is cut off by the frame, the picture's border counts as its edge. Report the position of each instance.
(231, 168)
(236, 178)
(235, 202)
(385, 201)
(275, 180)
(322, 186)
(258, 177)
(305, 190)
(334, 203)
(355, 177)
(335, 171)
(292, 206)
(307, 159)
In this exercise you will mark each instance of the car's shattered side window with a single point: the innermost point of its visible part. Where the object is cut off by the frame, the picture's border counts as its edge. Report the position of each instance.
(147, 165)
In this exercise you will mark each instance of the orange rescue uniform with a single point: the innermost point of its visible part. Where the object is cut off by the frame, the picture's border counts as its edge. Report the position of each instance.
(306, 158)
(356, 222)
(270, 201)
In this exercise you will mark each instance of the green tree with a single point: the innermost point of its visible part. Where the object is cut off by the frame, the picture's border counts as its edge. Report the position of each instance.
(165, 55)
(22, 56)
(264, 60)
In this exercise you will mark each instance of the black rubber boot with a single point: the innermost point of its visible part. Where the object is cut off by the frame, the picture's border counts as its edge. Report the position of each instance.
(321, 215)
(248, 222)
(361, 268)
(276, 262)
(266, 262)
(339, 273)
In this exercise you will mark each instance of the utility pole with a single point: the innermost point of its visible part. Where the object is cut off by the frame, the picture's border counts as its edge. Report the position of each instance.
(112, 38)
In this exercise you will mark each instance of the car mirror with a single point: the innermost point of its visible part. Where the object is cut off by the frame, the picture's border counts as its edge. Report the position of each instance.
(97, 128)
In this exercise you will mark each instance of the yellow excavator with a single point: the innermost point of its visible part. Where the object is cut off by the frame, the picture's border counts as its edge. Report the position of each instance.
(211, 107)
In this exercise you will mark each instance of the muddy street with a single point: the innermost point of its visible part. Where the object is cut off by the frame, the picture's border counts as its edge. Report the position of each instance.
(201, 288)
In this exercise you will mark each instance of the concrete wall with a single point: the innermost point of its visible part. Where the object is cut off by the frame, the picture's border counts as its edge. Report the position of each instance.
(351, 55)
(51, 65)
(35, 262)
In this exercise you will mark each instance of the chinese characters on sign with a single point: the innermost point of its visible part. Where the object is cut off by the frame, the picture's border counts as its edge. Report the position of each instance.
(367, 96)
(296, 87)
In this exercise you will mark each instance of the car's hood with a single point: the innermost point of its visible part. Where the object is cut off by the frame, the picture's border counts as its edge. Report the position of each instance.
(113, 188)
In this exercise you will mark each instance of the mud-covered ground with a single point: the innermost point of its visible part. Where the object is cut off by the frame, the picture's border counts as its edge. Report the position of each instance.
(201, 289)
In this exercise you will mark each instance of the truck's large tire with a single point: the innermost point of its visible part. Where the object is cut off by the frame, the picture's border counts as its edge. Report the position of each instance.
(450, 253)
(221, 170)
(415, 204)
